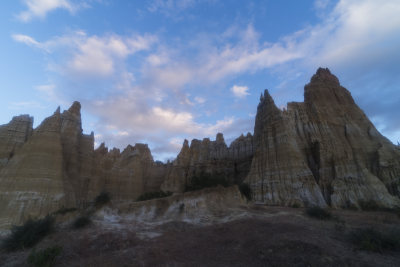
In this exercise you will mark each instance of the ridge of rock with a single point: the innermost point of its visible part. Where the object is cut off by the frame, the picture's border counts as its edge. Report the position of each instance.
(323, 151)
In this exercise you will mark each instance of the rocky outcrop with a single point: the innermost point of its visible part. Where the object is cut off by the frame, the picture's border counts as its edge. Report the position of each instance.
(13, 135)
(324, 151)
(126, 175)
(211, 158)
(31, 183)
(56, 166)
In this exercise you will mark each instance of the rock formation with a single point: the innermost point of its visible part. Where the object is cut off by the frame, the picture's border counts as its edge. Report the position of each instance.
(323, 151)
(126, 175)
(211, 158)
(56, 166)
(13, 135)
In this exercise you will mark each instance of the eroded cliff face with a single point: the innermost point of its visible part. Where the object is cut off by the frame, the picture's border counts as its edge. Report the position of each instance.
(56, 166)
(13, 135)
(324, 151)
(126, 175)
(211, 158)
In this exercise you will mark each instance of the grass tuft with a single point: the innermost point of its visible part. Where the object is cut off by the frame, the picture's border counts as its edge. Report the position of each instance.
(102, 199)
(81, 222)
(205, 181)
(45, 257)
(28, 234)
(245, 190)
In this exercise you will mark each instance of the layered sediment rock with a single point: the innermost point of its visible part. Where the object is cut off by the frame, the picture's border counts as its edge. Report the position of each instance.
(13, 135)
(126, 175)
(212, 158)
(322, 151)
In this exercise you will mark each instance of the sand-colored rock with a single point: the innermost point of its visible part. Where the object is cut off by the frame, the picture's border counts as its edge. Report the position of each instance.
(13, 135)
(212, 158)
(322, 151)
(31, 184)
(126, 175)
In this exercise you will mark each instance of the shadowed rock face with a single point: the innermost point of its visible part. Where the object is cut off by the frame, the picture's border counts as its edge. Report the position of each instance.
(322, 151)
(211, 158)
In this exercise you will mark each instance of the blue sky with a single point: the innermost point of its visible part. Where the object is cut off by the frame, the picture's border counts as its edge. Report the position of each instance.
(159, 71)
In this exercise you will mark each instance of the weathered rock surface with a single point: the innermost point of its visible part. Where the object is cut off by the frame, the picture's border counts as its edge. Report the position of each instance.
(126, 175)
(212, 158)
(322, 151)
(13, 135)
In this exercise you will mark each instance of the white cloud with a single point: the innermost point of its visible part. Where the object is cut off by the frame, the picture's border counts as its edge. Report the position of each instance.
(26, 40)
(40, 8)
(240, 91)
(91, 55)
(152, 102)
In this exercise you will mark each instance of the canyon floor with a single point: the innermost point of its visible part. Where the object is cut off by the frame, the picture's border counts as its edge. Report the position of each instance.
(253, 235)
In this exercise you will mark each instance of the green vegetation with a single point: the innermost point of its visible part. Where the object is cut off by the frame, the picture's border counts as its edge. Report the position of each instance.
(372, 240)
(102, 199)
(28, 234)
(64, 211)
(245, 190)
(81, 222)
(205, 181)
(318, 213)
(153, 195)
(45, 257)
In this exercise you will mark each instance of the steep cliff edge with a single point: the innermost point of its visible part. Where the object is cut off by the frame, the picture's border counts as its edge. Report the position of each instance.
(322, 151)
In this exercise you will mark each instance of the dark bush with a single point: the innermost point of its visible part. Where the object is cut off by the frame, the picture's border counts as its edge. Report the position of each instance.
(369, 205)
(205, 181)
(295, 205)
(64, 211)
(318, 213)
(28, 234)
(372, 240)
(102, 199)
(245, 190)
(153, 195)
(45, 257)
(81, 222)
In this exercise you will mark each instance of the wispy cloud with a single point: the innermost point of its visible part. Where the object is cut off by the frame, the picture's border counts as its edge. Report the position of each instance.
(91, 55)
(40, 8)
(151, 102)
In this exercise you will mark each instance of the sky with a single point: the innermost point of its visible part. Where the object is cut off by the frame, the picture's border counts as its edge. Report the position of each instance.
(160, 71)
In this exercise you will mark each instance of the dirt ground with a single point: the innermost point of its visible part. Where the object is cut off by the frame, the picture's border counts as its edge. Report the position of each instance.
(261, 236)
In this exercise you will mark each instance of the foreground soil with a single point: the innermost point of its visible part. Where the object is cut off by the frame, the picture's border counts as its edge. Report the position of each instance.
(261, 236)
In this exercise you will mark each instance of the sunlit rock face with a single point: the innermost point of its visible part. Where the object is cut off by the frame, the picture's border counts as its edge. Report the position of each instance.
(212, 158)
(324, 151)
